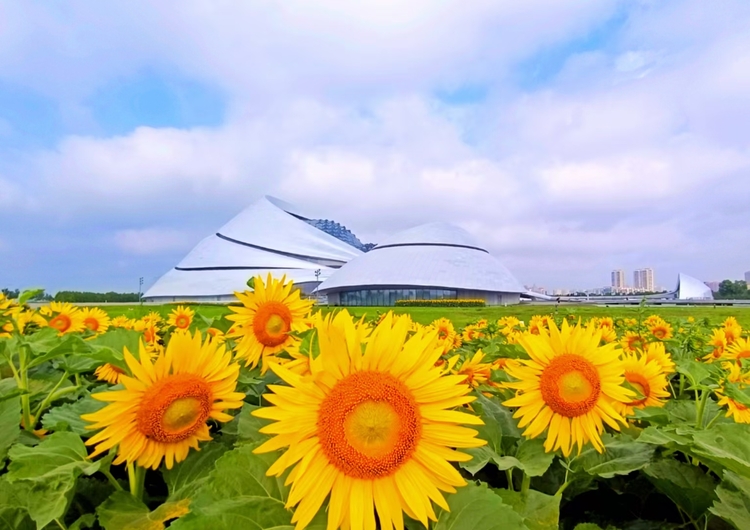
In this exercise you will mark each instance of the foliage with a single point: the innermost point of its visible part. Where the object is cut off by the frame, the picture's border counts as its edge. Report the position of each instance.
(682, 465)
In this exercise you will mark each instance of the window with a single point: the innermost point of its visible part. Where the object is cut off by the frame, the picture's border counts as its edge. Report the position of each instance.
(388, 297)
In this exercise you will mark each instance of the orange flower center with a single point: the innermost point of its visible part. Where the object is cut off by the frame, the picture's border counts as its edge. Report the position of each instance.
(149, 334)
(369, 425)
(61, 323)
(174, 408)
(442, 333)
(570, 385)
(659, 333)
(182, 321)
(92, 323)
(641, 385)
(272, 323)
(635, 342)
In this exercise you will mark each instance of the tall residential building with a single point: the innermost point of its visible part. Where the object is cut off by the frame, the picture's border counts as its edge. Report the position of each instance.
(618, 279)
(643, 279)
(747, 278)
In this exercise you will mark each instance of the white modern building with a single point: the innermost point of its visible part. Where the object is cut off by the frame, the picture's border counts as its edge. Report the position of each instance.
(269, 236)
(689, 288)
(431, 261)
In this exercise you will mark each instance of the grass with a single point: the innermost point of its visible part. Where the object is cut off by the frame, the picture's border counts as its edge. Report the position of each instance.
(460, 316)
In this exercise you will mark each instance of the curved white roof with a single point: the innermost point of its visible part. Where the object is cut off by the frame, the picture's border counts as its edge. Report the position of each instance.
(436, 255)
(689, 288)
(265, 237)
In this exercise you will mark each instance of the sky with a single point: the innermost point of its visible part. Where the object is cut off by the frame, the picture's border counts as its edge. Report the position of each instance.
(570, 137)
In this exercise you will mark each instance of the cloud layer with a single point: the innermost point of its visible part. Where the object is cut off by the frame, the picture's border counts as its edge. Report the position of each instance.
(629, 149)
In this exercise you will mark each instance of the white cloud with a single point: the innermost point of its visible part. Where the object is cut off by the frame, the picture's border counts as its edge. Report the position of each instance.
(149, 241)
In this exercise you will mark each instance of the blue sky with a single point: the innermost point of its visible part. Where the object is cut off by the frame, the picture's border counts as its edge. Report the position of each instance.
(571, 137)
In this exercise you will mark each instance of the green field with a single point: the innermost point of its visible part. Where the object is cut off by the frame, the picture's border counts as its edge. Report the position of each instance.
(460, 316)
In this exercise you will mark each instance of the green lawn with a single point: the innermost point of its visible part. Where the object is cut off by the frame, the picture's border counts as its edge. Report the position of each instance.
(460, 316)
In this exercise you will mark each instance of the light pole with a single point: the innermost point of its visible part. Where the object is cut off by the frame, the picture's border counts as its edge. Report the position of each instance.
(140, 290)
(317, 282)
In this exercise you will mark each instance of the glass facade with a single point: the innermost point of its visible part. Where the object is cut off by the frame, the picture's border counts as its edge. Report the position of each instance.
(388, 297)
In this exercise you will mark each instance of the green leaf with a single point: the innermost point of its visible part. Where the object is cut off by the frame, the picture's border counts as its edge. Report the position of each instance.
(44, 476)
(728, 444)
(109, 346)
(587, 526)
(696, 372)
(248, 425)
(740, 395)
(68, 345)
(475, 507)
(539, 511)
(10, 418)
(734, 500)
(653, 415)
(500, 429)
(122, 511)
(87, 520)
(688, 486)
(27, 295)
(251, 283)
(184, 479)
(534, 460)
(42, 341)
(621, 456)
(68, 416)
(13, 514)
(238, 494)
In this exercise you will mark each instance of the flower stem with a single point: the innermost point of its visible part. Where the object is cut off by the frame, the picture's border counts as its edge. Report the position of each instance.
(509, 476)
(47, 400)
(525, 483)
(107, 473)
(23, 386)
(701, 409)
(137, 477)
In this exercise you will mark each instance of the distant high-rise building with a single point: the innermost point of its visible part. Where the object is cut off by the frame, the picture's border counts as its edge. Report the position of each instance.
(643, 279)
(618, 279)
(747, 278)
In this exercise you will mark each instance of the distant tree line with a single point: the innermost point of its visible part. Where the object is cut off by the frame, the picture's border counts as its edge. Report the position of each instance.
(77, 297)
(731, 290)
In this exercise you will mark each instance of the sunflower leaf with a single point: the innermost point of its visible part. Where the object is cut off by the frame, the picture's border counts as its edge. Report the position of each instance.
(688, 486)
(13, 513)
(539, 511)
(476, 507)
(68, 416)
(185, 479)
(622, 455)
(733, 504)
(44, 476)
(533, 458)
(725, 444)
(123, 511)
(10, 417)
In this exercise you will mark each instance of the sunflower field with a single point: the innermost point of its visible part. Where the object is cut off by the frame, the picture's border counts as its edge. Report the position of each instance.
(278, 416)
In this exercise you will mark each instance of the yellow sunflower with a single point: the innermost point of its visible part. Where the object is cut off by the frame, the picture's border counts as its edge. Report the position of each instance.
(267, 318)
(732, 329)
(738, 350)
(474, 371)
(567, 387)
(471, 332)
(65, 317)
(122, 321)
(719, 342)
(109, 373)
(152, 318)
(656, 352)
(181, 318)
(373, 429)
(648, 379)
(95, 319)
(537, 323)
(446, 333)
(661, 330)
(632, 342)
(217, 334)
(739, 412)
(163, 410)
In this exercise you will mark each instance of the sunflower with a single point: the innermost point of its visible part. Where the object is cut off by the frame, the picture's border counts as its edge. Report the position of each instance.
(648, 379)
(732, 329)
(217, 334)
(567, 387)
(267, 318)
(446, 333)
(109, 373)
(471, 332)
(151, 335)
(181, 318)
(739, 412)
(152, 318)
(738, 350)
(65, 317)
(719, 342)
(605, 327)
(661, 330)
(656, 352)
(163, 410)
(474, 371)
(632, 342)
(375, 430)
(122, 321)
(95, 319)
(537, 323)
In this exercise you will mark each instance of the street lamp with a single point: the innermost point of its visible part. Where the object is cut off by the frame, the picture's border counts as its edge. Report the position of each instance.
(140, 290)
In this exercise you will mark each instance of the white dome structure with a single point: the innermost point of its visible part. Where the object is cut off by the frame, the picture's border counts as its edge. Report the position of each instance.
(431, 261)
(689, 288)
(269, 236)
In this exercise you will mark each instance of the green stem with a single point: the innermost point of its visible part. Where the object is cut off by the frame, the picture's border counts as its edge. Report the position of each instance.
(525, 483)
(107, 473)
(682, 385)
(48, 399)
(509, 476)
(713, 420)
(701, 409)
(61, 524)
(25, 397)
(137, 477)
